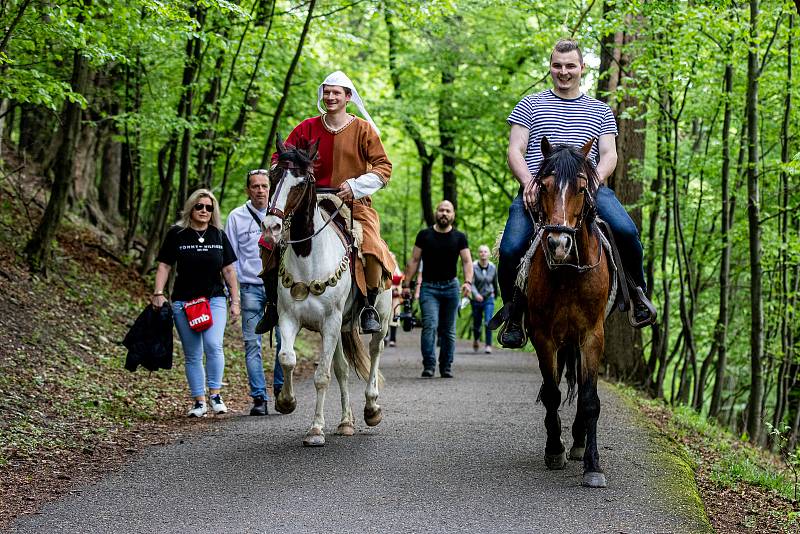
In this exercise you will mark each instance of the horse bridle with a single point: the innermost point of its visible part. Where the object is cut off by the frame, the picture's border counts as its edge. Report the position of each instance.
(287, 218)
(588, 214)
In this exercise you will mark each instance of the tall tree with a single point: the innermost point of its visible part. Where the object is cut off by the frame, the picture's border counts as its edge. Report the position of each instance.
(38, 248)
(754, 231)
(287, 84)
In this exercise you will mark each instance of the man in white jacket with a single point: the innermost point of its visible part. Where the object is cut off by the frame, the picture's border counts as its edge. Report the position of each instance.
(243, 229)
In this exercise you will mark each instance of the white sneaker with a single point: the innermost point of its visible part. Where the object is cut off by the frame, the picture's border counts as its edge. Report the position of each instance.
(199, 410)
(217, 405)
(488, 349)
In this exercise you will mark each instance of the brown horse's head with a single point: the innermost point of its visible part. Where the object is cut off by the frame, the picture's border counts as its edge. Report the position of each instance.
(565, 206)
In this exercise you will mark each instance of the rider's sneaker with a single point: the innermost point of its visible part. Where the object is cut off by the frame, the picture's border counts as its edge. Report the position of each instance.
(217, 405)
(200, 409)
(370, 321)
(427, 373)
(512, 336)
(259, 406)
(642, 312)
(487, 349)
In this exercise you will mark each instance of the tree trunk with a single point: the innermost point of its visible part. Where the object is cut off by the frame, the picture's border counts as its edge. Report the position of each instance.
(287, 83)
(209, 113)
(721, 329)
(426, 159)
(447, 140)
(754, 414)
(623, 347)
(785, 384)
(38, 248)
(38, 134)
(111, 169)
(249, 101)
(190, 74)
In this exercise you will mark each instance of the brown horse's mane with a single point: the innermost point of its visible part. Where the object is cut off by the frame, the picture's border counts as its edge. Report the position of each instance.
(565, 163)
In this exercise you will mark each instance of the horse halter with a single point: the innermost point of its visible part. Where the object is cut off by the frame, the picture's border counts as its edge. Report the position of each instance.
(587, 216)
(309, 180)
(288, 166)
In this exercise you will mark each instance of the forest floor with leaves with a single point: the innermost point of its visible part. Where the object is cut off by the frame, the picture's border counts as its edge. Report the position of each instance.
(72, 413)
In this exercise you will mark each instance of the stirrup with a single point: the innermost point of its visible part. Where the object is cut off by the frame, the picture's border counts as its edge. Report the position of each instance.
(651, 319)
(502, 331)
(361, 318)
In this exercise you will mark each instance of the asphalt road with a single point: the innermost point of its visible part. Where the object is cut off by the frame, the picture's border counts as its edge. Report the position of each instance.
(451, 455)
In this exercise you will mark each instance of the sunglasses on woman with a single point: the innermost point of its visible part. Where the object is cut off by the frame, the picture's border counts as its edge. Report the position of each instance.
(200, 207)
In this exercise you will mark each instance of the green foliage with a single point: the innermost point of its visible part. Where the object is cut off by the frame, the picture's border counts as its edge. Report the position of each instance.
(458, 69)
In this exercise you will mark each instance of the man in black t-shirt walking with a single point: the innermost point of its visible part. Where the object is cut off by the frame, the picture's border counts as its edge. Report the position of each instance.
(439, 247)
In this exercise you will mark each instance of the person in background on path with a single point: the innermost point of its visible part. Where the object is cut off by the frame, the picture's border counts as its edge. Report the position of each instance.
(484, 290)
(243, 229)
(397, 280)
(200, 253)
(439, 247)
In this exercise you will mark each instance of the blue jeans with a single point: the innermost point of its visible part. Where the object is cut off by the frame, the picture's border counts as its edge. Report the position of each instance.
(519, 232)
(253, 299)
(439, 304)
(195, 343)
(481, 314)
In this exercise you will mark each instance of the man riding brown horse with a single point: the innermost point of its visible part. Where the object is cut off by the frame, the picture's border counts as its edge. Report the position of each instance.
(565, 116)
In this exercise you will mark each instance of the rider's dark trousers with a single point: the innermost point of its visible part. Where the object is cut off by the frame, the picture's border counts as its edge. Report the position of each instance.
(519, 231)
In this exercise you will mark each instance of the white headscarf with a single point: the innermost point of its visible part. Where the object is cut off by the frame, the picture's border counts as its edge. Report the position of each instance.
(340, 78)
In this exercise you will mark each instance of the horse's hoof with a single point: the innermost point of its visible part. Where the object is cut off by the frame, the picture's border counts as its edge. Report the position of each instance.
(373, 416)
(556, 461)
(345, 429)
(576, 453)
(314, 440)
(284, 405)
(594, 480)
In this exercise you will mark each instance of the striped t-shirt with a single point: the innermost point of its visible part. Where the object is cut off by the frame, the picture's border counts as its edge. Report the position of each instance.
(563, 121)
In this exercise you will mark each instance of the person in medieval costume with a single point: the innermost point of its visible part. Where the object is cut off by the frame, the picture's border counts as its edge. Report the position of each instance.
(351, 159)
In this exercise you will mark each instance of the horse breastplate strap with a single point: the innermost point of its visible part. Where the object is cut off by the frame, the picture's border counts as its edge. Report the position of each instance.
(300, 290)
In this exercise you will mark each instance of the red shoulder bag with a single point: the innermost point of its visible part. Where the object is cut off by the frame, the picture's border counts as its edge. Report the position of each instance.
(198, 312)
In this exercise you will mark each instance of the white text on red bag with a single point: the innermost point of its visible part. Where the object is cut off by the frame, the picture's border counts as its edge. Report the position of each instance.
(198, 312)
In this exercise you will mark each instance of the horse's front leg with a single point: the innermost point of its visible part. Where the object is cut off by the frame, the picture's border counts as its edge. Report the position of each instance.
(589, 409)
(315, 437)
(373, 414)
(342, 370)
(285, 402)
(550, 395)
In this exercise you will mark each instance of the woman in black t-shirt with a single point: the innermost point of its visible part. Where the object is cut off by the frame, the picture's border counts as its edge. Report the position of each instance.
(202, 256)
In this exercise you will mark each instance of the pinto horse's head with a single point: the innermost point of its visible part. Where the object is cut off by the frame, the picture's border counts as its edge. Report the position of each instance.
(567, 186)
(293, 192)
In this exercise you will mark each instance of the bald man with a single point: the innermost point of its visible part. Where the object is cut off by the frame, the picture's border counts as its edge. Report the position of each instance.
(439, 247)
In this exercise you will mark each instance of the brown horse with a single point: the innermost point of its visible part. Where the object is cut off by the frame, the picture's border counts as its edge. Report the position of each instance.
(567, 291)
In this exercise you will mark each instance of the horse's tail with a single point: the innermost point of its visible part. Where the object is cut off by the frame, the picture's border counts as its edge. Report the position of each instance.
(357, 355)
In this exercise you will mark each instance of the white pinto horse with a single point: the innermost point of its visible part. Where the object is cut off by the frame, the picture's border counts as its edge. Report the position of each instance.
(314, 292)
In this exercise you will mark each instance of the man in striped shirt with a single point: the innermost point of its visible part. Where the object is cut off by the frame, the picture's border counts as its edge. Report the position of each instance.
(565, 116)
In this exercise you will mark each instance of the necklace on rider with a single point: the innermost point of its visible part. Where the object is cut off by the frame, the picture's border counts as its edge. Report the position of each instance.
(335, 131)
(201, 237)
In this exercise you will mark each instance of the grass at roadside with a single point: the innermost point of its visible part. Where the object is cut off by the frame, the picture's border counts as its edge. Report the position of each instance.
(743, 488)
